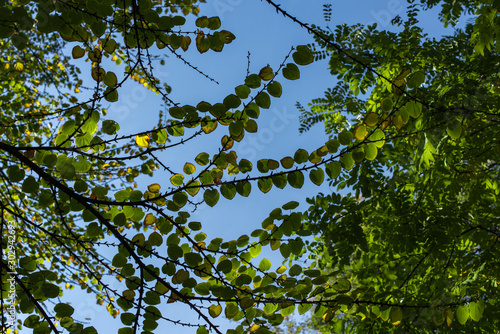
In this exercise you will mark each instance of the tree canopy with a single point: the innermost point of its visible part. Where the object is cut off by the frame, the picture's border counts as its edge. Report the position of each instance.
(413, 121)
(417, 236)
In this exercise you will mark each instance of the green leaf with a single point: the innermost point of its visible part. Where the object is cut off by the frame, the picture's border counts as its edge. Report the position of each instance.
(215, 310)
(344, 299)
(272, 164)
(462, 314)
(303, 308)
(110, 127)
(189, 168)
(177, 180)
(378, 138)
(245, 166)
(119, 260)
(30, 185)
(243, 188)
(342, 285)
(263, 100)
(279, 180)
(370, 150)
(290, 205)
(262, 166)
(63, 310)
(476, 310)
(180, 199)
(358, 155)
(255, 250)
(50, 290)
(202, 330)
(16, 174)
(303, 55)
(28, 263)
(386, 104)
(211, 196)
(202, 159)
(110, 79)
(296, 179)
(270, 308)
(333, 145)
(232, 101)
(416, 79)
(265, 184)
(94, 230)
(32, 321)
(291, 72)
(228, 190)
(347, 160)
(125, 330)
(20, 41)
(317, 176)
(265, 265)
(287, 162)
(214, 23)
(345, 137)
(333, 169)
(287, 310)
(274, 89)
(360, 132)
(301, 156)
(396, 315)
(414, 108)
(253, 81)
(454, 129)
(242, 91)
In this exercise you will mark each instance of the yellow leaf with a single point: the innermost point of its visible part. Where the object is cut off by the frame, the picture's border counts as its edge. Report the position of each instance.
(199, 246)
(329, 314)
(448, 315)
(386, 121)
(360, 132)
(227, 142)
(185, 41)
(397, 121)
(281, 270)
(142, 140)
(266, 73)
(19, 66)
(214, 310)
(149, 220)
(254, 327)
(154, 188)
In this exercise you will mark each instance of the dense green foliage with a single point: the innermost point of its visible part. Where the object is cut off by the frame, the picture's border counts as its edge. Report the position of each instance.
(414, 246)
(418, 234)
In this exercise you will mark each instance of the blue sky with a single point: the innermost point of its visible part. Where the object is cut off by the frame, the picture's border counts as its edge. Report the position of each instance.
(268, 37)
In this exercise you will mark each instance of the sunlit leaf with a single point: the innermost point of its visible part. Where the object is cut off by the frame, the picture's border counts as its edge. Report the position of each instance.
(214, 310)
(142, 140)
(396, 316)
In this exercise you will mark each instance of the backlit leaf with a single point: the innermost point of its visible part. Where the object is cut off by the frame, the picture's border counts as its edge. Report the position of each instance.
(291, 72)
(215, 310)
(266, 73)
(211, 196)
(142, 140)
(396, 316)
(303, 55)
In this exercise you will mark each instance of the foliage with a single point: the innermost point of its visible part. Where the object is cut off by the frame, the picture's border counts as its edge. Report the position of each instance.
(417, 235)
(72, 185)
